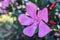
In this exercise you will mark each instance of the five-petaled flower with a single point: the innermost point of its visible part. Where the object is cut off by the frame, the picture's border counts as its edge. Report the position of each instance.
(36, 19)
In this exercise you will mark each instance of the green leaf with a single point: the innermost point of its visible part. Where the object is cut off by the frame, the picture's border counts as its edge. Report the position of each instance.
(8, 25)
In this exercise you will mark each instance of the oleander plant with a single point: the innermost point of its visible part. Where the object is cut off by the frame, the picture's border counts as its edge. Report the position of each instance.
(29, 19)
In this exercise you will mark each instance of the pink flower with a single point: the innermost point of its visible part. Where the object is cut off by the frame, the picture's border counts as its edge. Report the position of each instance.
(4, 3)
(34, 21)
(3, 11)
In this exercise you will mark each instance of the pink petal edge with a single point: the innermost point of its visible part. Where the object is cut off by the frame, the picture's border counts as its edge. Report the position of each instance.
(43, 29)
(43, 14)
(29, 31)
(24, 20)
(31, 9)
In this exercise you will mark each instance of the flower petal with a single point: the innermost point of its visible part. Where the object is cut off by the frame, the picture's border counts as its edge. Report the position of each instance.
(24, 20)
(31, 9)
(43, 29)
(43, 14)
(29, 31)
(5, 3)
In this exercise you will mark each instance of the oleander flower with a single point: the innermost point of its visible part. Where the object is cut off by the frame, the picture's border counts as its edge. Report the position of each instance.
(4, 3)
(34, 19)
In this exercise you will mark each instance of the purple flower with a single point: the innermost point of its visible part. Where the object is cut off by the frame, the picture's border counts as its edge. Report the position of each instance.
(4, 3)
(34, 21)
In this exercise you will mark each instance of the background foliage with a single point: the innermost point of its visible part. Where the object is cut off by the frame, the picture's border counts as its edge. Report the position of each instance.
(11, 28)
